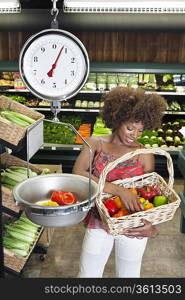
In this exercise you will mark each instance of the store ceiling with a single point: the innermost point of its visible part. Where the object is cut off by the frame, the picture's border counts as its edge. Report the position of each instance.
(36, 15)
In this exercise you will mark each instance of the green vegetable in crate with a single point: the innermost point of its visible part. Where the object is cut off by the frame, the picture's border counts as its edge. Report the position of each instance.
(12, 175)
(20, 252)
(17, 118)
(19, 235)
(15, 243)
(27, 221)
(23, 170)
(20, 229)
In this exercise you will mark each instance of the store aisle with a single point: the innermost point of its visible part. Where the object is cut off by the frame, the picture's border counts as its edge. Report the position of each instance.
(164, 256)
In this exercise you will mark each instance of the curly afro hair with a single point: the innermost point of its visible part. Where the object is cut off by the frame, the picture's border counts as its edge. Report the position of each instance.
(123, 104)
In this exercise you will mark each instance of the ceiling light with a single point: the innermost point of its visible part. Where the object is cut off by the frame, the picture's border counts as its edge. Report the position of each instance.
(124, 6)
(10, 6)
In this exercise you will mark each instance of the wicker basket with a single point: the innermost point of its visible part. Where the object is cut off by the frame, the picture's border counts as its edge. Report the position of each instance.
(7, 195)
(10, 132)
(155, 215)
(16, 262)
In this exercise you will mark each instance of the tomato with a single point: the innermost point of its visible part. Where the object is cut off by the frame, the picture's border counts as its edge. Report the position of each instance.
(68, 198)
(57, 196)
(63, 197)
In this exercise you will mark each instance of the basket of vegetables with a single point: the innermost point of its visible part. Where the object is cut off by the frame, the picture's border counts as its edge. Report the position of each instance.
(19, 239)
(14, 170)
(159, 199)
(15, 118)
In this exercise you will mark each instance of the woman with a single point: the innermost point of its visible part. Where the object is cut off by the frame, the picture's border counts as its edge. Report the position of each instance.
(127, 112)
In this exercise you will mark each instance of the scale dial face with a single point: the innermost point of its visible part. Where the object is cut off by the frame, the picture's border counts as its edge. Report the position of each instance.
(54, 65)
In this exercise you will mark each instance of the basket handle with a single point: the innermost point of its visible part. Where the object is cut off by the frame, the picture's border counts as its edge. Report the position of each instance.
(129, 155)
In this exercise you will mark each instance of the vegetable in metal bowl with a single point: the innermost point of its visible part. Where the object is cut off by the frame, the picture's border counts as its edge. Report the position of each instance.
(34, 189)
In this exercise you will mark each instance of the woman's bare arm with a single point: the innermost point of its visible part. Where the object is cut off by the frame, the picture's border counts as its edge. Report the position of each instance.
(148, 162)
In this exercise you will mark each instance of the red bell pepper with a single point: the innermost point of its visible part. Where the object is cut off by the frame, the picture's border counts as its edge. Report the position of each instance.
(148, 192)
(111, 206)
(63, 197)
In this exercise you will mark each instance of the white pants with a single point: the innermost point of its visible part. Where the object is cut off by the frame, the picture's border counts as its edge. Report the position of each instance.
(96, 249)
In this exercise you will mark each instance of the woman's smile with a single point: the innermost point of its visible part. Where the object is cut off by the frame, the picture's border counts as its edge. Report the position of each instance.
(129, 132)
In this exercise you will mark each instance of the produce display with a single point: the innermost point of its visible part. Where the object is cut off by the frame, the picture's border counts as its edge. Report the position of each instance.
(18, 83)
(20, 235)
(99, 127)
(17, 118)
(175, 106)
(147, 81)
(6, 79)
(18, 98)
(88, 104)
(108, 81)
(149, 196)
(85, 131)
(166, 136)
(61, 134)
(160, 82)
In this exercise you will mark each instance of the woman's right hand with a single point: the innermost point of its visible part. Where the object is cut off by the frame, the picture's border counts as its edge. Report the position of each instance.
(130, 200)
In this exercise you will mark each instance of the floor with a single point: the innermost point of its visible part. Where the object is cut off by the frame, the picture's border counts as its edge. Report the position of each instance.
(164, 256)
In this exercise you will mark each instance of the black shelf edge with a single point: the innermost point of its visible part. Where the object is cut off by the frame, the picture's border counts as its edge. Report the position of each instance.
(131, 67)
(137, 67)
(9, 66)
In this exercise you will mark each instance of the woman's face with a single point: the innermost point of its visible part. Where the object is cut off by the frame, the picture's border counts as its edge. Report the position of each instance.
(129, 132)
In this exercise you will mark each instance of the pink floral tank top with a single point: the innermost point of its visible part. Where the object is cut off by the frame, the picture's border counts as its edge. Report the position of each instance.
(127, 169)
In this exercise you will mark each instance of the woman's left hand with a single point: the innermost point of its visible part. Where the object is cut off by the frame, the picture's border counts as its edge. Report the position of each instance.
(146, 230)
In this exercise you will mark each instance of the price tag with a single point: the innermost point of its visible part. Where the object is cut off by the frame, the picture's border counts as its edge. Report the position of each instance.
(182, 130)
(34, 139)
(76, 148)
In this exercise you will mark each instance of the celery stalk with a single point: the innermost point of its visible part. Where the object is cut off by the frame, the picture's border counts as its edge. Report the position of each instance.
(14, 243)
(23, 117)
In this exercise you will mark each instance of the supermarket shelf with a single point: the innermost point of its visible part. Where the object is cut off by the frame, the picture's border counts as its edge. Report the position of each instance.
(91, 110)
(166, 93)
(173, 93)
(49, 146)
(97, 110)
(69, 109)
(130, 67)
(17, 91)
(174, 112)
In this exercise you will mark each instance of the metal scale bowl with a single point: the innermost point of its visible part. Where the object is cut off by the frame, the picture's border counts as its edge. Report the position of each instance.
(31, 190)
(34, 189)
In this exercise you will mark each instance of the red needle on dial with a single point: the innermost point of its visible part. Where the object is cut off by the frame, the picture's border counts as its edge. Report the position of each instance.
(50, 73)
